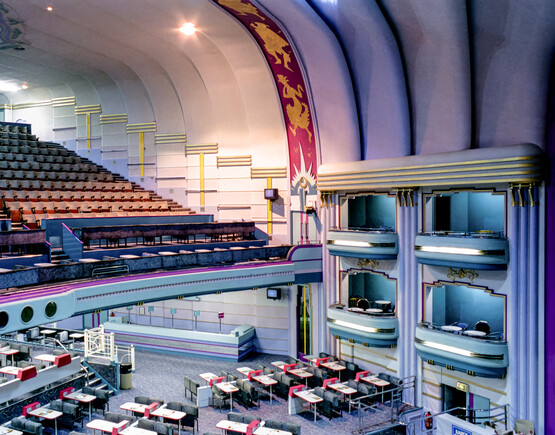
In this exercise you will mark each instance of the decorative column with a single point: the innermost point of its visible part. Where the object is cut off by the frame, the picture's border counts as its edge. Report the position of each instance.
(523, 303)
(329, 210)
(407, 294)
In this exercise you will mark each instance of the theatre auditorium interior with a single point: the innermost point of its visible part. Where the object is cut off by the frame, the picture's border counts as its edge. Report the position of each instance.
(276, 217)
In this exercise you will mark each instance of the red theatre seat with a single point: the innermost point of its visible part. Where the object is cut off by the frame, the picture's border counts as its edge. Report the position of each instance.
(361, 375)
(216, 380)
(27, 373)
(62, 360)
(287, 367)
(29, 407)
(296, 388)
(254, 373)
(65, 392)
(329, 381)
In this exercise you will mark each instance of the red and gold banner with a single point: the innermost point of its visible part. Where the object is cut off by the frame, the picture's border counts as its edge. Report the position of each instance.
(289, 81)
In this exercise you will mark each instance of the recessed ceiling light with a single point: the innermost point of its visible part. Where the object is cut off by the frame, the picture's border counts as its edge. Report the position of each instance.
(188, 29)
(49, 8)
(9, 86)
(24, 86)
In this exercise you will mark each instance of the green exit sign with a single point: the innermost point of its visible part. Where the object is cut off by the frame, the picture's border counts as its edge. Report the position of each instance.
(462, 387)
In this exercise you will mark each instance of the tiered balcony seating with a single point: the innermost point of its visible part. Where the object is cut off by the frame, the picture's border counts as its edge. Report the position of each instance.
(41, 179)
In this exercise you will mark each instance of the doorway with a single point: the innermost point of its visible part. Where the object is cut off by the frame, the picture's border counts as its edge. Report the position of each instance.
(304, 324)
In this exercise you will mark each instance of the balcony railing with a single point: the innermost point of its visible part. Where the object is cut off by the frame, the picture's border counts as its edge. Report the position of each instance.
(372, 243)
(486, 356)
(368, 329)
(479, 250)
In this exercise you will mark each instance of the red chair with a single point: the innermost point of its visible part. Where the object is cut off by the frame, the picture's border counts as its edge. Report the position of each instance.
(254, 373)
(63, 393)
(329, 381)
(216, 380)
(296, 388)
(29, 407)
(361, 375)
(321, 360)
(286, 367)
(118, 427)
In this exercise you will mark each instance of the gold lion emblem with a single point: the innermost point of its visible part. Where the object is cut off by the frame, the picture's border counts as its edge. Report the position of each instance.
(273, 43)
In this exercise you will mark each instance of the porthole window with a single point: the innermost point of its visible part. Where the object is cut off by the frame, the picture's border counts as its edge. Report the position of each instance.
(4, 317)
(27, 314)
(50, 309)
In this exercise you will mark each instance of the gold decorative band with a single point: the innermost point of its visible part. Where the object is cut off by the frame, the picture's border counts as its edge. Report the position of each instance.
(268, 172)
(161, 139)
(62, 102)
(32, 105)
(201, 148)
(234, 161)
(83, 110)
(142, 127)
(113, 119)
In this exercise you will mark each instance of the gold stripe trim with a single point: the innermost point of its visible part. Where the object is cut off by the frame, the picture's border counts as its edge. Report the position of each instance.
(431, 396)
(370, 362)
(391, 172)
(409, 183)
(160, 139)
(435, 384)
(223, 161)
(268, 172)
(450, 164)
(63, 102)
(201, 148)
(142, 127)
(31, 105)
(113, 119)
(368, 350)
(466, 381)
(394, 178)
(6, 106)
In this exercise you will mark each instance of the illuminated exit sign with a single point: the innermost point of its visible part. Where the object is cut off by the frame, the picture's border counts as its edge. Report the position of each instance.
(462, 387)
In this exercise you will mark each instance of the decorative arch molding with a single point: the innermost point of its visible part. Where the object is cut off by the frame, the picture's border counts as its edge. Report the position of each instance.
(291, 87)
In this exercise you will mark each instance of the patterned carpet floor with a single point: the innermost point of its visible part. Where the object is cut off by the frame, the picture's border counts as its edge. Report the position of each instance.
(160, 375)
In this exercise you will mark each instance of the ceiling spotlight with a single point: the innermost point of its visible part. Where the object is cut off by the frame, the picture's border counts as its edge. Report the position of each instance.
(188, 29)
(24, 86)
(49, 8)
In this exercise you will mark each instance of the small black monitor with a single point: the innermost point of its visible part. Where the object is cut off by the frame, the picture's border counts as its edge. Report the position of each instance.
(271, 194)
(273, 293)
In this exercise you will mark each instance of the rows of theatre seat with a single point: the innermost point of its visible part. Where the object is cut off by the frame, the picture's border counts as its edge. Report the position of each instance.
(45, 180)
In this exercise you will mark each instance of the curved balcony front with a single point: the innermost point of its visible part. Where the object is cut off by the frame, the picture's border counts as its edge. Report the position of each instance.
(476, 250)
(476, 356)
(359, 243)
(373, 330)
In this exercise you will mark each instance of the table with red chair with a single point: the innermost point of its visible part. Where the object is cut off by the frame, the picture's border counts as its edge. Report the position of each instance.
(345, 390)
(267, 381)
(229, 388)
(207, 377)
(81, 398)
(377, 382)
(170, 414)
(107, 426)
(244, 371)
(4, 430)
(9, 352)
(334, 366)
(44, 413)
(300, 391)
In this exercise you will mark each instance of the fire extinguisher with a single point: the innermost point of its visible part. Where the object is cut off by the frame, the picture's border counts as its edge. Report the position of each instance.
(429, 422)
